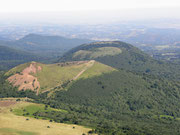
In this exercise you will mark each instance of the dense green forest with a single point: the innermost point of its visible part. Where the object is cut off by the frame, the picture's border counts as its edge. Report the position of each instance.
(120, 103)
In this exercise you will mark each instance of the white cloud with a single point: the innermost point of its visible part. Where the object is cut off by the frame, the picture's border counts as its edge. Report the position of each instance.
(76, 5)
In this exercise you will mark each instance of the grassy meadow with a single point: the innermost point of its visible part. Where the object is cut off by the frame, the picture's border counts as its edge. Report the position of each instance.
(11, 123)
(97, 52)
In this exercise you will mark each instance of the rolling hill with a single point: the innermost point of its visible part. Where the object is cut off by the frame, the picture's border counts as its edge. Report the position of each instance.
(34, 47)
(116, 54)
(40, 77)
(121, 55)
(11, 57)
(44, 45)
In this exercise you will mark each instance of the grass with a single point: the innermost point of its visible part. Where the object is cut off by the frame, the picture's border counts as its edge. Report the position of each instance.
(51, 75)
(10, 131)
(33, 108)
(54, 75)
(14, 99)
(96, 70)
(11, 124)
(166, 117)
(97, 52)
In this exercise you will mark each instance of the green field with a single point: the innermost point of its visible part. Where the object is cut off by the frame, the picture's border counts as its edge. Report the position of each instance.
(96, 70)
(33, 108)
(54, 75)
(11, 124)
(9, 131)
(97, 52)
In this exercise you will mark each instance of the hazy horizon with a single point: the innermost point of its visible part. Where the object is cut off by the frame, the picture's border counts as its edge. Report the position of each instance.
(86, 11)
(91, 16)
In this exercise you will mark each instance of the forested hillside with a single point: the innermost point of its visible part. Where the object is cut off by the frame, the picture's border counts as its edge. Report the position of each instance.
(120, 102)
(11, 57)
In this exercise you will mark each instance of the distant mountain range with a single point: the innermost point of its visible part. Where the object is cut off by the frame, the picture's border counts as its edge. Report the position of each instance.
(44, 45)
(10, 57)
(35, 48)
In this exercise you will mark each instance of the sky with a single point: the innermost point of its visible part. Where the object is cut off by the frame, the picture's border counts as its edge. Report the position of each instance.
(86, 11)
(9, 6)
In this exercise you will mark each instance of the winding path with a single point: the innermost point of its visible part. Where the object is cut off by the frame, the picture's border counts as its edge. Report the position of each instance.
(89, 64)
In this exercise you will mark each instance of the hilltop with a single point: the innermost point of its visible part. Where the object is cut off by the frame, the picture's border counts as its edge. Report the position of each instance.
(121, 55)
(115, 53)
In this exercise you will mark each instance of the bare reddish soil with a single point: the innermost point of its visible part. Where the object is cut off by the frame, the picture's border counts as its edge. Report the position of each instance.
(7, 103)
(25, 80)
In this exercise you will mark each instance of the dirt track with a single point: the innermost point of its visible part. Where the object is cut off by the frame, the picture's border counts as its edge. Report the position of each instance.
(89, 64)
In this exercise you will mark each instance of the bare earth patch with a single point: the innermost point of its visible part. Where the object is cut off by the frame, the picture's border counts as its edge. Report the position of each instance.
(7, 103)
(25, 80)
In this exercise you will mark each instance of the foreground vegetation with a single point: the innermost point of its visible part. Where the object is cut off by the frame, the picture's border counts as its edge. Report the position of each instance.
(115, 103)
(20, 125)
